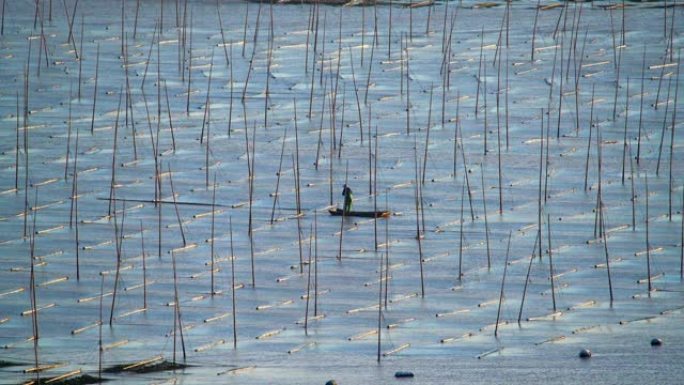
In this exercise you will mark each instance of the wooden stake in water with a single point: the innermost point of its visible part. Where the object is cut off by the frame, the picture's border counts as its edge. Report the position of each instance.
(534, 29)
(591, 125)
(605, 249)
(213, 240)
(641, 105)
(175, 207)
(527, 276)
(100, 350)
(66, 161)
(672, 138)
(343, 216)
(418, 235)
(118, 237)
(112, 181)
(97, 69)
(503, 282)
(380, 307)
(648, 245)
(177, 320)
(315, 263)
(460, 243)
(484, 209)
(308, 284)
(2, 24)
(232, 283)
(144, 265)
(551, 274)
(280, 169)
(624, 140)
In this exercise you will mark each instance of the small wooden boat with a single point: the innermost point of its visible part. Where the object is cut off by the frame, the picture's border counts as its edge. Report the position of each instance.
(364, 214)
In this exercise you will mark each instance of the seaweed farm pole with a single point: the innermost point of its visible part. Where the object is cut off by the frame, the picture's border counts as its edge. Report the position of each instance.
(213, 221)
(118, 238)
(624, 140)
(280, 168)
(147, 62)
(309, 27)
(553, 285)
(605, 249)
(427, 139)
(308, 285)
(66, 161)
(187, 100)
(34, 306)
(177, 311)
(26, 149)
(175, 206)
(456, 126)
(641, 104)
(74, 205)
(16, 149)
(2, 26)
(315, 262)
(230, 103)
(408, 93)
(356, 92)
(541, 171)
(527, 276)
(344, 214)
(467, 180)
(375, 190)
(168, 111)
(112, 182)
(633, 196)
(460, 244)
(591, 125)
(380, 308)
(672, 138)
(299, 220)
(387, 246)
(370, 70)
(418, 236)
(97, 69)
(662, 134)
(144, 265)
(232, 283)
(100, 350)
(503, 282)
(534, 29)
(648, 245)
(484, 204)
(389, 32)
(479, 73)
(135, 21)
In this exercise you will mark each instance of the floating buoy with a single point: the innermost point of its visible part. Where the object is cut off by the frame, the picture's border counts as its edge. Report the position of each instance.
(402, 374)
(585, 353)
(656, 342)
(331, 382)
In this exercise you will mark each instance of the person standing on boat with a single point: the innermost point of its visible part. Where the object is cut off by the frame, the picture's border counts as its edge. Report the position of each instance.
(347, 193)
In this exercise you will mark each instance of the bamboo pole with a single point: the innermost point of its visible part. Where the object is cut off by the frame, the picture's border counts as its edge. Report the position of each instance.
(97, 69)
(527, 277)
(418, 235)
(213, 241)
(278, 175)
(648, 244)
(484, 209)
(551, 273)
(503, 282)
(232, 283)
(461, 237)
